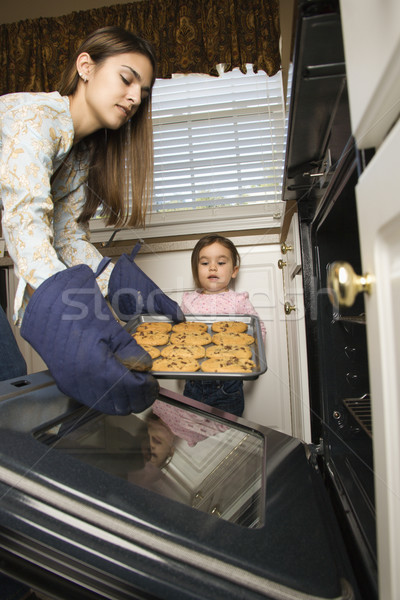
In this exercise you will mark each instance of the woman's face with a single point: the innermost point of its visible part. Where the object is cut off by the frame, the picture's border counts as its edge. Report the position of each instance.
(115, 88)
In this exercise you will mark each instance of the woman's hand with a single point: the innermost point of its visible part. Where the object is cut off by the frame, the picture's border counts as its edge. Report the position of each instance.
(68, 322)
(131, 292)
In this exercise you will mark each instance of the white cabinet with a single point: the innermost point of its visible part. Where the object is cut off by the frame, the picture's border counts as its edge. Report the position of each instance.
(293, 309)
(379, 219)
(372, 48)
(34, 362)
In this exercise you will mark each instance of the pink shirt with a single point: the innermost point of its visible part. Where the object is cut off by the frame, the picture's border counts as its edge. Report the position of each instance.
(189, 426)
(225, 303)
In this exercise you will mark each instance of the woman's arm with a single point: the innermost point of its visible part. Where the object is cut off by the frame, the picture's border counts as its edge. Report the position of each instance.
(31, 144)
(72, 239)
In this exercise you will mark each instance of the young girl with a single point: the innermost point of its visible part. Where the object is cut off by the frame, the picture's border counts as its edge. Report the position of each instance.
(215, 262)
(64, 154)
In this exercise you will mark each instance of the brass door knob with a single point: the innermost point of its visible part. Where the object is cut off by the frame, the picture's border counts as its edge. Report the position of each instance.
(285, 248)
(344, 284)
(289, 308)
(281, 263)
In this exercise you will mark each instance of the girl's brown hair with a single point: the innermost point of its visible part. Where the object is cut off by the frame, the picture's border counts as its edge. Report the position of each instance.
(121, 160)
(205, 241)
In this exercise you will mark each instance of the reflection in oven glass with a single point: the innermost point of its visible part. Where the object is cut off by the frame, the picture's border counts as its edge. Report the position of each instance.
(196, 459)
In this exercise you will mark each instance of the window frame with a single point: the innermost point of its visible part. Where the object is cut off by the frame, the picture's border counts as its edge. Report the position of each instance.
(249, 217)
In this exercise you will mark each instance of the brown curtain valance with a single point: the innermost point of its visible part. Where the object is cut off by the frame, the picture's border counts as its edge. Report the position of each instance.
(190, 36)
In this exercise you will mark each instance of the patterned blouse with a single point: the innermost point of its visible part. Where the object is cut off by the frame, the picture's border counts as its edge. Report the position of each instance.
(42, 191)
(225, 303)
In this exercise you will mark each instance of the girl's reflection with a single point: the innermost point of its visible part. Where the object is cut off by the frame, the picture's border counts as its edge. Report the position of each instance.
(160, 442)
(186, 425)
(166, 425)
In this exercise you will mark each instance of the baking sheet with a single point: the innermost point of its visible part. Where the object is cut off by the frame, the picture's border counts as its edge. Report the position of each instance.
(254, 329)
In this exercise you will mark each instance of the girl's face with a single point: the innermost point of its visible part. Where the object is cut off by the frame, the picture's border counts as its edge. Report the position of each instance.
(161, 442)
(216, 269)
(115, 88)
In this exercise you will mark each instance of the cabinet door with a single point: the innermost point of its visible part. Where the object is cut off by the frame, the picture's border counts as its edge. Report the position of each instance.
(372, 49)
(379, 221)
(34, 362)
(296, 333)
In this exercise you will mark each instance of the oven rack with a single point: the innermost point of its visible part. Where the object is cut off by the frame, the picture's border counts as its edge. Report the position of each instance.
(360, 409)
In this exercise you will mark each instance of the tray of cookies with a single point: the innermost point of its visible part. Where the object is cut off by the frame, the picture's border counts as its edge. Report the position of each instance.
(202, 347)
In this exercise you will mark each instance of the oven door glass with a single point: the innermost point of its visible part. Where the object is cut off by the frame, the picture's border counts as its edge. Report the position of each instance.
(201, 461)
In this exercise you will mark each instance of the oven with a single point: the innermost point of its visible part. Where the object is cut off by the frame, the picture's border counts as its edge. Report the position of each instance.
(323, 166)
(235, 510)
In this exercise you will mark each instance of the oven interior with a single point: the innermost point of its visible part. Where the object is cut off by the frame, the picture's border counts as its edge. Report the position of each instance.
(344, 410)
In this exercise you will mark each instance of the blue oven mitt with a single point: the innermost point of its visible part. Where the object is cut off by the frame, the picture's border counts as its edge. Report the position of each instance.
(131, 292)
(68, 322)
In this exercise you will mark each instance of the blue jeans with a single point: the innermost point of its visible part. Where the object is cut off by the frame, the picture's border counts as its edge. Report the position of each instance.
(12, 363)
(224, 394)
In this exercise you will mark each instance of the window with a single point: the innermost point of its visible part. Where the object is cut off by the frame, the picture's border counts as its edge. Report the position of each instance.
(219, 141)
(219, 145)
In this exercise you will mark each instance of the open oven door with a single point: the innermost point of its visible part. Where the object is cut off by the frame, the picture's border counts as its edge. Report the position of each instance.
(235, 510)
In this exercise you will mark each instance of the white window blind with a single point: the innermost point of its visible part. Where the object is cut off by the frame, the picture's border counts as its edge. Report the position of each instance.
(218, 141)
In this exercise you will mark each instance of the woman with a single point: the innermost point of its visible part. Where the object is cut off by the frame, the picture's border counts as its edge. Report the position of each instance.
(63, 155)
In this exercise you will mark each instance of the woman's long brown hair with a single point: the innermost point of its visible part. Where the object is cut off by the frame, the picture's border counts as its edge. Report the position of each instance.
(121, 161)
